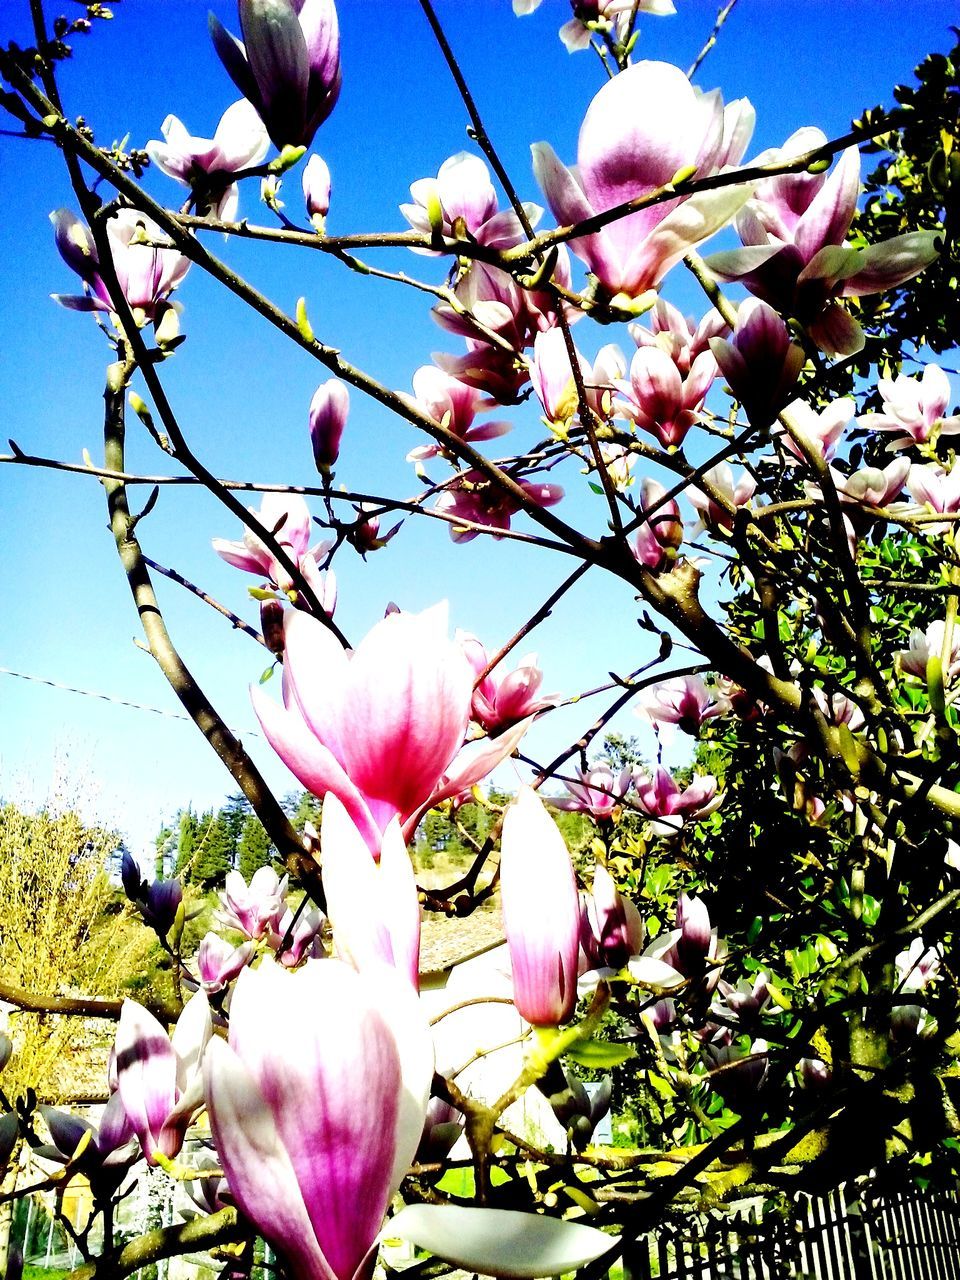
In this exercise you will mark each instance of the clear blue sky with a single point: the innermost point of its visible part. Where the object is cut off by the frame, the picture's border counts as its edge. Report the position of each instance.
(242, 396)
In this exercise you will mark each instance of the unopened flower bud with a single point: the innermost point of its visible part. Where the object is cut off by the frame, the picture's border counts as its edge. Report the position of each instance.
(271, 625)
(316, 191)
(328, 417)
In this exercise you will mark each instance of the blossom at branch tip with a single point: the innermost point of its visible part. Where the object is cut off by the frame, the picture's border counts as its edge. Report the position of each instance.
(316, 1106)
(454, 405)
(158, 1077)
(872, 486)
(157, 901)
(597, 791)
(667, 807)
(659, 537)
(682, 338)
(329, 409)
(619, 461)
(611, 929)
(146, 275)
(823, 431)
(839, 709)
(499, 702)
(255, 909)
(682, 700)
(287, 517)
(928, 644)
(207, 164)
(659, 400)
(795, 256)
(737, 493)
(297, 938)
(107, 1153)
(551, 374)
(218, 963)
(737, 1074)
(460, 203)
(316, 184)
(913, 409)
(544, 944)
(373, 907)
(473, 497)
(382, 726)
(645, 126)
(759, 362)
(935, 489)
(287, 66)
(593, 16)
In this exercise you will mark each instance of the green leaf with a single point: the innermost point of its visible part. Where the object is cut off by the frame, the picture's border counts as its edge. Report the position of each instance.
(600, 1055)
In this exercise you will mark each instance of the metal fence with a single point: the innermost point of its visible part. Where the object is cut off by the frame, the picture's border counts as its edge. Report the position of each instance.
(851, 1234)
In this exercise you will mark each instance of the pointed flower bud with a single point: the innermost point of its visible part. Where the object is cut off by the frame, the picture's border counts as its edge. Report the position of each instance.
(328, 417)
(316, 191)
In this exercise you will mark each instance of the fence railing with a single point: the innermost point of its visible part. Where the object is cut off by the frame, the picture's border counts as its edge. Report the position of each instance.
(852, 1233)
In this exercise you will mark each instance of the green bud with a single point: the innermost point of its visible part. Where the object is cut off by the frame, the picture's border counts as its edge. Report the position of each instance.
(682, 175)
(303, 321)
(287, 158)
(935, 690)
(820, 164)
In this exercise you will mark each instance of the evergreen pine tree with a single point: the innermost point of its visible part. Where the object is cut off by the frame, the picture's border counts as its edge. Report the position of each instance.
(254, 849)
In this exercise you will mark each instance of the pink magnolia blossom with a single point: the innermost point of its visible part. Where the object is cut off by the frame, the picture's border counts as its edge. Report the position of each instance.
(668, 808)
(619, 462)
(329, 410)
(692, 947)
(499, 702)
(535, 867)
(255, 909)
(795, 256)
(475, 499)
(682, 338)
(455, 406)
(838, 708)
(873, 486)
(592, 16)
(381, 727)
(659, 400)
(553, 381)
(937, 490)
(287, 65)
(147, 276)
(597, 791)
(737, 494)
(218, 963)
(644, 126)
(316, 1106)
(158, 1077)
(287, 517)
(759, 362)
(297, 938)
(822, 430)
(913, 409)
(682, 700)
(207, 164)
(611, 930)
(316, 185)
(373, 907)
(461, 202)
(928, 644)
(660, 535)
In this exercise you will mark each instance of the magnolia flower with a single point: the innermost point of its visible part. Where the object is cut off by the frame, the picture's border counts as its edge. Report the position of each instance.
(682, 700)
(253, 910)
(316, 1106)
(916, 967)
(592, 16)
(287, 517)
(822, 431)
(146, 276)
(380, 727)
(535, 866)
(158, 902)
(552, 377)
(644, 127)
(158, 1078)
(597, 791)
(839, 709)
(477, 500)
(659, 400)
(871, 486)
(373, 907)
(737, 1074)
(328, 417)
(109, 1148)
(736, 494)
(316, 191)
(453, 405)
(668, 808)
(461, 202)
(679, 336)
(619, 462)
(288, 65)
(795, 256)
(937, 490)
(297, 938)
(759, 362)
(207, 164)
(218, 963)
(913, 409)
(500, 702)
(661, 533)
(928, 644)
(611, 930)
